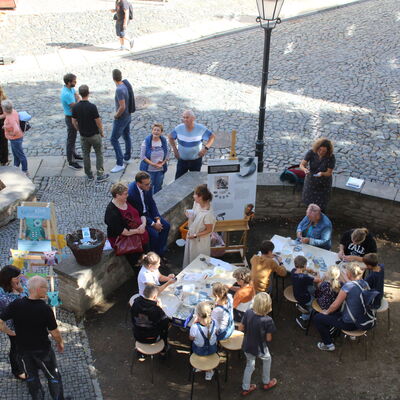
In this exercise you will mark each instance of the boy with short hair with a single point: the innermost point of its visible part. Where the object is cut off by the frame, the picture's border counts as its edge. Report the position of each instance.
(303, 289)
(376, 276)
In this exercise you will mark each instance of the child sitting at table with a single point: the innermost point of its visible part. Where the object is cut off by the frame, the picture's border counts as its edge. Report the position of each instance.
(328, 289)
(149, 273)
(223, 311)
(244, 294)
(376, 276)
(203, 333)
(303, 289)
(258, 328)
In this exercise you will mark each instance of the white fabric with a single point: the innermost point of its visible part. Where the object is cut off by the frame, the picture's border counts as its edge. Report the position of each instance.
(198, 339)
(220, 316)
(147, 276)
(142, 198)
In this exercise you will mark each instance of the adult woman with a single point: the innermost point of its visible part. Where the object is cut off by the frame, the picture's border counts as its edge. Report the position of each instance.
(350, 296)
(201, 222)
(318, 165)
(3, 140)
(11, 288)
(123, 219)
(356, 243)
(14, 134)
(315, 228)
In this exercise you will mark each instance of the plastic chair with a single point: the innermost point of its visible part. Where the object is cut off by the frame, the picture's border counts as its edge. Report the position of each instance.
(233, 343)
(358, 335)
(148, 349)
(204, 363)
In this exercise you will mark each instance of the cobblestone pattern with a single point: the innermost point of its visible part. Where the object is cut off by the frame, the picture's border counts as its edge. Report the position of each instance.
(333, 74)
(70, 196)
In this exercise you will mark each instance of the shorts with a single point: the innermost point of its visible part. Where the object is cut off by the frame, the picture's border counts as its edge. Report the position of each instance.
(119, 26)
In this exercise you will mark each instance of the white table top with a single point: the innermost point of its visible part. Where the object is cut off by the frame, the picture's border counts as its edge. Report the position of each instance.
(285, 247)
(194, 279)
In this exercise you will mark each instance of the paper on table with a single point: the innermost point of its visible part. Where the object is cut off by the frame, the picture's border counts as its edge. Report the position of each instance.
(193, 276)
(219, 263)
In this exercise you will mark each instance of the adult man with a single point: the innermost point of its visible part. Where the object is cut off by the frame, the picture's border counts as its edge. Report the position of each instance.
(141, 197)
(121, 124)
(190, 136)
(150, 324)
(87, 121)
(121, 22)
(68, 99)
(34, 320)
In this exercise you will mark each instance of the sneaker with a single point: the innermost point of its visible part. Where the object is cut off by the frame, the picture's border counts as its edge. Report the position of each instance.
(89, 178)
(209, 375)
(117, 168)
(78, 157)
(131, 43)
(326, 347)
(27, 174)
(353, 338)
(127, 161)
(301, 323)
(302, 309)
(102, 178)
(74, 165)
(140, 357)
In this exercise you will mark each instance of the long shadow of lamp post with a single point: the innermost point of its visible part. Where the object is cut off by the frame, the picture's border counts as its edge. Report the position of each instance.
(268, 18)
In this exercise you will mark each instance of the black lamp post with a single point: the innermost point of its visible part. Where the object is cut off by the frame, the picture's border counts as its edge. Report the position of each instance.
(268, 18)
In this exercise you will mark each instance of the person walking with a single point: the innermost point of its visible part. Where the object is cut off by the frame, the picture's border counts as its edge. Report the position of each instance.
(68, 99)
(34, 320)
(3, 139)
(86, 120)
(121, 22)
(121, 124)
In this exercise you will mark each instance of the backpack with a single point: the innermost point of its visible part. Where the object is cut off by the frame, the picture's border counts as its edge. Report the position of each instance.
(130, 11)
(24, 117)
(363, 318)
(131, 105)
(293, 175)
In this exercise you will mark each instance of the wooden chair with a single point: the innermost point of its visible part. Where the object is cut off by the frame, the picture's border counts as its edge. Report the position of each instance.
(316, 308)
(148, 349)
(205, 363)
(233, 343)
(358, 335)
(288, 294)
(384, 307)
(130, 302)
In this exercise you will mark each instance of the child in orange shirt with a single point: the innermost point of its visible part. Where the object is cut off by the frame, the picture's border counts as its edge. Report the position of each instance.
(244, 294)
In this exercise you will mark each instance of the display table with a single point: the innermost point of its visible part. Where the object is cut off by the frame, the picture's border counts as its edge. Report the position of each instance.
(193, 285)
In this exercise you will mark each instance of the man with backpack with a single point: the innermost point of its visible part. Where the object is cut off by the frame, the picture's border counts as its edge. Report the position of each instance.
(356, 300)
(123, 14)
(124, 106)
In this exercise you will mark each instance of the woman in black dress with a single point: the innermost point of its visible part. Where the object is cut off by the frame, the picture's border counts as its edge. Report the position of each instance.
(318, 165)
(3, 140)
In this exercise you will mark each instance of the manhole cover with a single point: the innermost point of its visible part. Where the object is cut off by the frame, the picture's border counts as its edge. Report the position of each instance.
(142, 102)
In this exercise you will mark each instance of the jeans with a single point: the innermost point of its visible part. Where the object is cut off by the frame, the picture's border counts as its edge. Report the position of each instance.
(71, 139)
(324, 323)
(18, 153)
(250, 366)
(121, 127)
(87, 143)
(158, 240)
(157, 179)
(46, 361)
(184, 166)
(15, 357)
(311, 290)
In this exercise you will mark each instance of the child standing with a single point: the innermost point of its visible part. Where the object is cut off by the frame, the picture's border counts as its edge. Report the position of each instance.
(244, 294)
(376, 276)
(328, 289)
(258, 328)
(154, 154)
(303, 289)
(223, 311)
(203, 333)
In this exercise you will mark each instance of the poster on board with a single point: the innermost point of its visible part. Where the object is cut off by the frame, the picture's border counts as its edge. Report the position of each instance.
(233, 184)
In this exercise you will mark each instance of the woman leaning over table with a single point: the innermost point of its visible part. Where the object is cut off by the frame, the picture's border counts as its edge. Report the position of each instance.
(318, 165)
(333, 317)
(12, 288)
(355, 244)
(3, 140)
(201, 223)
(123, 219)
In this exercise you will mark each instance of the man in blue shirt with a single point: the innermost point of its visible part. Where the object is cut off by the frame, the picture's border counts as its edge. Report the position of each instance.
(122, 122)
(190, 136)
(68, 99)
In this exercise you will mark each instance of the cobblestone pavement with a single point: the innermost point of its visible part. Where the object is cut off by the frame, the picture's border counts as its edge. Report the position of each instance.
(334, 73)
(76, 365)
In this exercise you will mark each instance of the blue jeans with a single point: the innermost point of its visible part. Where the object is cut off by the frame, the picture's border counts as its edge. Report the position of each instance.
(19, 155)
(157, 179)
(184, 166)
(324, 323)
(158, 240)
(121, 127)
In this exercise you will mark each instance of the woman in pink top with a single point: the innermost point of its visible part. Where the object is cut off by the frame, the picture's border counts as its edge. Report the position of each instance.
(14, 134)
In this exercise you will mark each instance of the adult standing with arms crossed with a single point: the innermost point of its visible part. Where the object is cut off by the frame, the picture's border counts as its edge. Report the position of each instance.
(69, 98)
(190, 136)
(34, 320)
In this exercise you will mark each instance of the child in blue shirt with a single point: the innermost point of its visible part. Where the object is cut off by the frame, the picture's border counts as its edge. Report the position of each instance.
(376, 276)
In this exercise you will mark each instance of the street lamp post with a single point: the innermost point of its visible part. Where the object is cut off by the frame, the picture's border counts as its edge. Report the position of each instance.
(268, 18)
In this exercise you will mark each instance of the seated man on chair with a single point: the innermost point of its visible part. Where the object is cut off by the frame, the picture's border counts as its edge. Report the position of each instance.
(140, 196)
(149, 321)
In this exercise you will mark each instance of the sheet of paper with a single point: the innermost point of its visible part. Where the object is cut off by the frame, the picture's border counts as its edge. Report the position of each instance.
(219, 263)
(193, 276)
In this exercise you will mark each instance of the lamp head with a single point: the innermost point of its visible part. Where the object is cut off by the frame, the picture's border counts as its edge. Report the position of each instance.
(269, 11)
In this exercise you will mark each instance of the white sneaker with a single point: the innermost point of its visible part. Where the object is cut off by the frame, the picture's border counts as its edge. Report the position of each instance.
(209, 375)
(117, 168)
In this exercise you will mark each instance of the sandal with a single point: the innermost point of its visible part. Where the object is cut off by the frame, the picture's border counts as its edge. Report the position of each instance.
(252, 388)
(270, 384)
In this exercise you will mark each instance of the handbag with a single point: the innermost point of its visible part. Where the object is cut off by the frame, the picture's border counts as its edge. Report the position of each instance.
(128, 244)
